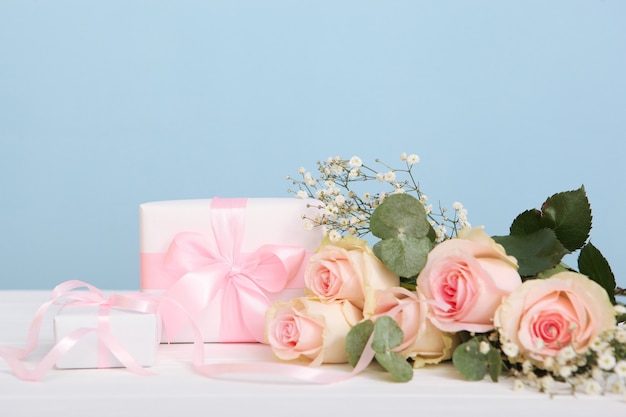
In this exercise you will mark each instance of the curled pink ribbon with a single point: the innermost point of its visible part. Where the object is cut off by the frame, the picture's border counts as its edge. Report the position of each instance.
(211, 267)
(64, 295)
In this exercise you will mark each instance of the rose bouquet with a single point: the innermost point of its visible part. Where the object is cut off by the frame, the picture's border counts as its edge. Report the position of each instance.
(433, 288)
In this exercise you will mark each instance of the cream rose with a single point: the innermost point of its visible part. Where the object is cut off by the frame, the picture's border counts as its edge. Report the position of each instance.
(305, 328)
(422, 341)
(542, 316)
(346, 270)
(466, 279)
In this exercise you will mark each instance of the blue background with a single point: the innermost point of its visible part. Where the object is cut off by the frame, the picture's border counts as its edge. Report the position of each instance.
(108, 104)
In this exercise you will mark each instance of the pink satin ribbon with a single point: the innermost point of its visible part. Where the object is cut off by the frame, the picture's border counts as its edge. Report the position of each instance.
(212, 267)
(64, 295)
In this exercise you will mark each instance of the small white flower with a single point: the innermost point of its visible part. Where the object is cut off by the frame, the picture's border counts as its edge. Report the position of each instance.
(566, 354)
(390, 176)
(334, 236)
(354, 173)
(510, 349)
(598, 345)
(380, 177)
(412, 159)
(340, 200)
(546, 383)
(399, 191)
(308, 225)
(403, 156)
(620, 368)
(301, 170)
(428, 209)
(617, 387)
(355, 162)
(565, 371)
(597, 373)
(484, 347)
(423, 198)
(457, 206)
(527, 366)
(336, 169)
(382, 196)
(367, 196)
(592, 387)
(620, 336)
(518, 385)
(606, 361)
(302, 194)
(440, 232)
(308, 179)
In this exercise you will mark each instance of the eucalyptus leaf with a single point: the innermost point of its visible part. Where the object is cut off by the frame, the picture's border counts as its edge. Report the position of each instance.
(405, 255)
(535, 252)
(592, 263)
(468, 360)
(356, 340)
(396, 365)
(494, 363)
(387, 334)
(398, 215)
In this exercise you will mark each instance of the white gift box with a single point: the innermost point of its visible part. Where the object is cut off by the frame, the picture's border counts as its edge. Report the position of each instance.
(136, 332)
(265, 221)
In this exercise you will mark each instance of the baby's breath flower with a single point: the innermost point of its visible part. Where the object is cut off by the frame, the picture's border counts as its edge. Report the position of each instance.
(399, 191)
(457, 206)
(565, 371)
(354, 173)
(518, 385)
(510, 349)
(620, 336)
(301, 170)
(355, 162)
(620, 369)
(390, 176)
(334, 236)
(403, 156)
(412, 159)
(308, 225)
(484, 347)
(592, 387)
(546, 383)
(566, 354)
(606, 360)
(380, 177)
(301, 194)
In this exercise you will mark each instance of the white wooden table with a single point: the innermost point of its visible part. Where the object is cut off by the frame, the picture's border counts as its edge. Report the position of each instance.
(176, 390)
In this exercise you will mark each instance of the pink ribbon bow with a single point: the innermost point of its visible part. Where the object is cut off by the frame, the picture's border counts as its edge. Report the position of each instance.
(215, 268)
(64, 295)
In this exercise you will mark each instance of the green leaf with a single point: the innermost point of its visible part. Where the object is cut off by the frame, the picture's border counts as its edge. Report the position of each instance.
(526, 223)
(405, 255)
(399, 215)
(356, 340)
(468, 360)
(592, 263)
(534, 252)
(396, 365)
(568, 213)
(387, 334)
(494, 363)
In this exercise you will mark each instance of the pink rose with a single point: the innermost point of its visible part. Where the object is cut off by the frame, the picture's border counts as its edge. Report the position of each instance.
(346, 270)
(466, 279)
(305, 328)
(422, 341)
(542, 316)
